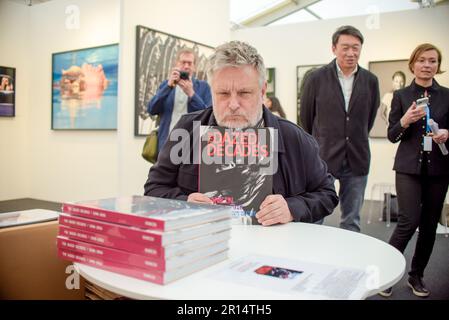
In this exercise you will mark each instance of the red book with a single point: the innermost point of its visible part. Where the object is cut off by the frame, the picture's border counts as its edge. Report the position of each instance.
(139, 273)
(155, 238)
(162, 252)
(148, 212)
(144, 262)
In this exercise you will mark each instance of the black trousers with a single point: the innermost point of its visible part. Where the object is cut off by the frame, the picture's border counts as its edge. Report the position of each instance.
(420, 199)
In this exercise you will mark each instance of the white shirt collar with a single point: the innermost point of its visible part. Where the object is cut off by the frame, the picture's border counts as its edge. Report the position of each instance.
(340, 72)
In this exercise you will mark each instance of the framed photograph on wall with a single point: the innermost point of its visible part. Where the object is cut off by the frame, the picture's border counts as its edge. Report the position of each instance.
(155, 57)
(392, 75)
(302, 72)
(7, 92)
(271, 82)
(84, 89)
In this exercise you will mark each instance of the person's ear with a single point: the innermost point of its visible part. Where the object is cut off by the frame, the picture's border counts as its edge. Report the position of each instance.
(334, 48)
(264, 89)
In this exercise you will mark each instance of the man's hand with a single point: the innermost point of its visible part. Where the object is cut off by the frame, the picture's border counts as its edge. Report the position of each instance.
(173, 78)
(274, 209)
(197, 197)
(187, 87)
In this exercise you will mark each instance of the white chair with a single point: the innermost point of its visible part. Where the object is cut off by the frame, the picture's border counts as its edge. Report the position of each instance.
(380, 189)
(444, 218)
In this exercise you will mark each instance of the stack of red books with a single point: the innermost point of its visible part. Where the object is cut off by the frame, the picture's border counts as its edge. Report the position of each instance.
(153, 239)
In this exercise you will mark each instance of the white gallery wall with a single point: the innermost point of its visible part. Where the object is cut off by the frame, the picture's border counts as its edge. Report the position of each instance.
(67, 165)
(388, 36)
(202, 21)
(37, 162)
(41, 163)
(14, 169)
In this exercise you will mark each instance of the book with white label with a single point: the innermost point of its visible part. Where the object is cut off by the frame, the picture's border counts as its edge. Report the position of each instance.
(154, 251)
(147, 212)
(144, 236)
(139, 273)
(144, 262)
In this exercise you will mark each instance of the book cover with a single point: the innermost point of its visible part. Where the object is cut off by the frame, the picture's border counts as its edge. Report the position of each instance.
(162, 252)
(139, 273)
(147, 212)
(153, 237)
(144, 262)
(236, 167)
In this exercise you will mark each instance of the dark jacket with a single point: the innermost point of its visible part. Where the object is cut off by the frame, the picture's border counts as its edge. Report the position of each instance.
(301, 177)
(162, 104)
(340, 133)
(410, 155)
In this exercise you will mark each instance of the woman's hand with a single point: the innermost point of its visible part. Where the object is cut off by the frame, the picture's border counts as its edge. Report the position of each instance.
(412, 115)
(441, 136)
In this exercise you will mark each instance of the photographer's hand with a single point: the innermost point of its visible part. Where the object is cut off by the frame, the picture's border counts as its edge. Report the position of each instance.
(187, 87)
(174, 78)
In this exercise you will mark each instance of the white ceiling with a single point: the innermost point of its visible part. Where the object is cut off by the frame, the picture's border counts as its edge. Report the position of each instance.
(250, 13)
(29, 2)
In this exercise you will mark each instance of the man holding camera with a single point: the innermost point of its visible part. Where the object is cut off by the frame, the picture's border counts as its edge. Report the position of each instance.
(181, 93)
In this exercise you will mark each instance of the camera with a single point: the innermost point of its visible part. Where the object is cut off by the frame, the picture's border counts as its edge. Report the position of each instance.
(184, 75)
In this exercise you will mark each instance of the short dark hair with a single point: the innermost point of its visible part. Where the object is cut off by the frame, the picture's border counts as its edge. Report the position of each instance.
(276, 106)
(346, 30)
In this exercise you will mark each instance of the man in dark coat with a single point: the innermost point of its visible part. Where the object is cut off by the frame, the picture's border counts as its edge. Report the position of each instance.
(338, 107)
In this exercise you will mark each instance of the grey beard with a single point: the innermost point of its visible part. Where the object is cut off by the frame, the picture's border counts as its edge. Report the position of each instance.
(232, 125)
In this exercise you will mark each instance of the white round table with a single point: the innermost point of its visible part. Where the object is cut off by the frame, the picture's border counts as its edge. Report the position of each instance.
(301, 241)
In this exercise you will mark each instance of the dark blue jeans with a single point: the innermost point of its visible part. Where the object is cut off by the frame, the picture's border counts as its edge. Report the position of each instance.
(351, 194)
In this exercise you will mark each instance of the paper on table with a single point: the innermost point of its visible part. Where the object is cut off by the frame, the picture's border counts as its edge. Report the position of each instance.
(303, 279)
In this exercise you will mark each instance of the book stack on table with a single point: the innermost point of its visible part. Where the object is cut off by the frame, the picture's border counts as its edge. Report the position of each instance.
(153, 239)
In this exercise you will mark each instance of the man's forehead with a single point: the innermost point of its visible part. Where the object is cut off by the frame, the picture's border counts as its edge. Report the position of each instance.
(346, 39)
(186, 56)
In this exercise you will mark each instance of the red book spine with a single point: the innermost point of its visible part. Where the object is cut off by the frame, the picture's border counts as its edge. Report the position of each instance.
(109, 229)
(114, 217)
(112, 266)
(112, 254)
(112, 242)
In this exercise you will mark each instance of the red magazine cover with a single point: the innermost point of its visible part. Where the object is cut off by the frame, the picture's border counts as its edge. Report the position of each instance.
(236, 167)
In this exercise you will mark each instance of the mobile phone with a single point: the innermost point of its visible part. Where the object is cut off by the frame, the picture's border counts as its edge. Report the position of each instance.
(422, 102)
